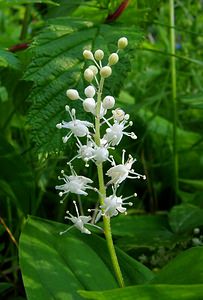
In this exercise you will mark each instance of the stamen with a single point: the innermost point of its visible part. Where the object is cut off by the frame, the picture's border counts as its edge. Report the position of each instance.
(123, 156)
(76, 208)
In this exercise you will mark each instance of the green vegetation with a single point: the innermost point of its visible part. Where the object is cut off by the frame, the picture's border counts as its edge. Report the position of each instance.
(159, 82)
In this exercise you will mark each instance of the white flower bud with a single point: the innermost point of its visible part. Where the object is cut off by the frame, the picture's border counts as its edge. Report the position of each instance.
(94, 69)
(113, 59)
(108, 102)
(99, 54)
(122, 43)
(118, 114)
(88, 75)
(105, 72)
(88, 54)
(196, 230)
(59, 125)
(72, 94)
(90, 91)
(89, 105)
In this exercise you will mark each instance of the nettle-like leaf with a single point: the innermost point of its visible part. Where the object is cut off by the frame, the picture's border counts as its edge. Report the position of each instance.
(57, 64)
(9, 60)
(13, 2)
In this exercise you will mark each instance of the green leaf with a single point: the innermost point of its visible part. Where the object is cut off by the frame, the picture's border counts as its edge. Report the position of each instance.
(53, 72)
(4, 286)
(18, 2)
(16, 179)
(196, 184)
(149, 292)
(55, 266)
(194, 101)
(186, 268)
(9, 60)
(133, 231)
(185, 217)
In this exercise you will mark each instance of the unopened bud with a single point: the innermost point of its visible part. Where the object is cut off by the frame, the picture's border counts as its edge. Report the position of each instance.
(105, 72)
(94, 69)
(88, 54)
(72, 94)
(108, 102)
(88, 75)
(90, 91)
(113, 59)
(196, 230)
(89, 105)
(59, 126)
(122, 43)
(118, 114)
(99, 54)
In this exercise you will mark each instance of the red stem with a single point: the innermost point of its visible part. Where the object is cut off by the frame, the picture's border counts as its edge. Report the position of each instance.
(118, 11)
(19, 47)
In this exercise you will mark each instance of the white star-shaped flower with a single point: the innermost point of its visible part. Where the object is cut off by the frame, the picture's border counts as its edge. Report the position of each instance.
(119, 173)
(74, 184)
(115, 132)
(79, 221)
(77, 127)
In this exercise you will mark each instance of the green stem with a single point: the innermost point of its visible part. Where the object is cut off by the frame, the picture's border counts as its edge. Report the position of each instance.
(25, 24)
(174, 95)
(102, 190)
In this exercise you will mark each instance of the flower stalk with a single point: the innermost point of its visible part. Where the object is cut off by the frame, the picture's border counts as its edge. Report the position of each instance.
(97, 150)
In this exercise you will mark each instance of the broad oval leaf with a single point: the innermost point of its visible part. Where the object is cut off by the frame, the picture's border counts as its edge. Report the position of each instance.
(185, 217)
(55, 267)
(186, 268)
(150, 292)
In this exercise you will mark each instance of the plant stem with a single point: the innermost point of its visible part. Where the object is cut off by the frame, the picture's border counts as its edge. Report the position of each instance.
(25, 24)
(102, 190)
(174, 96)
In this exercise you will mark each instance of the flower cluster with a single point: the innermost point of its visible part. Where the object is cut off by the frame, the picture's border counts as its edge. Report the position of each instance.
(93, 147)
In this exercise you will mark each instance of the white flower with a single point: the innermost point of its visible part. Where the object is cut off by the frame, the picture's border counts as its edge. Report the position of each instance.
(119, 115)
(79, 222)
(114, 205)
(77, 127)
(74, 184)
(116, 131)
(101, 154)
(119, 173)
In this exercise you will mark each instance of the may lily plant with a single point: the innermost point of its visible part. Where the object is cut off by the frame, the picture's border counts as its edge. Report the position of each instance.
(93, 147)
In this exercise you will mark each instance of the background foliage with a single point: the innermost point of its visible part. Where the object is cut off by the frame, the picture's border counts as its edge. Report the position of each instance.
(40, 57)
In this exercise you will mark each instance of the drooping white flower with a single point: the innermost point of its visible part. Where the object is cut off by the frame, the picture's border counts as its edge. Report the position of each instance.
(119, 173)
(77, 127)
(74, 184)
(79, 221)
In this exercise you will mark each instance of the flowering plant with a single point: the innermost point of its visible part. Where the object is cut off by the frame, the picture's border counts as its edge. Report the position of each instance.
(95, 148)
